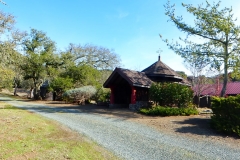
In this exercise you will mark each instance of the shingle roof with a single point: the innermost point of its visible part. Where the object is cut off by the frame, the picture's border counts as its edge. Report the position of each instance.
(160, 69)
(233, 88)
(134, 78)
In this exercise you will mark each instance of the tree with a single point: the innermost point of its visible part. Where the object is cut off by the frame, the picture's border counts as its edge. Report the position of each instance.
(10, 58)
(182, 74)
(198, 68)
(39, 57)
(7, 22)
(98, 57)
(220, 36)
(59, 85)
(6, 79)
(82, 75)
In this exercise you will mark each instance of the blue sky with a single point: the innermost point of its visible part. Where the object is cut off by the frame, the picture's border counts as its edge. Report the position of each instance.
(130, 27)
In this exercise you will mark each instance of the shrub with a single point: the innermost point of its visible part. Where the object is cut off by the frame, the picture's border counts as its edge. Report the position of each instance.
(102, 95)
(61, 84)
(226, 114)
(169, 111)
(85, 93)
(171, 94)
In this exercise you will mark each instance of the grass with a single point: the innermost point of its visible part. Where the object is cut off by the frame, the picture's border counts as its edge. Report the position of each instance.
(25, 135)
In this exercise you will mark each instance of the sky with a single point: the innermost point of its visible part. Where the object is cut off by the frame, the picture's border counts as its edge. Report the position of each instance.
(130, 27)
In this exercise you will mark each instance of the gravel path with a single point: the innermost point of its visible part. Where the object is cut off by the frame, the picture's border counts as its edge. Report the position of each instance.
(130, 140)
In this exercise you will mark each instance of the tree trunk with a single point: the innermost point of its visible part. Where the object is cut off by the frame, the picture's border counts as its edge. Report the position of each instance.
(15, 90)
(35, 89)
(224, 84)
(31, 93)
(225, 80)
(15, 87)
(198, 105)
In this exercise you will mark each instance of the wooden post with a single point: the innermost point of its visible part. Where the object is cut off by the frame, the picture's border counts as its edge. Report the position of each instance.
(112, 95)
(133, 95)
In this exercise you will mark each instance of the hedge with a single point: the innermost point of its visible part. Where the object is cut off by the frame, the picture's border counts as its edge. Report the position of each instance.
(171, 94)
(169, 111)
(226, 114)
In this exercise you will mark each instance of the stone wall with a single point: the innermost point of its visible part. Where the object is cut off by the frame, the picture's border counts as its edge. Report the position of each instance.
(138, 105)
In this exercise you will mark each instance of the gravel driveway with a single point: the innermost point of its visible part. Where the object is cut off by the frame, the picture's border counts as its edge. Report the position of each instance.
(130, 140)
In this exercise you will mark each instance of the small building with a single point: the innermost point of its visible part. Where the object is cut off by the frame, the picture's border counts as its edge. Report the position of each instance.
(131, 88)
(44, 93)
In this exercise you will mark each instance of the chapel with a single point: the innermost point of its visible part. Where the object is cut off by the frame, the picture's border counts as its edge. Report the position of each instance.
(130, 88)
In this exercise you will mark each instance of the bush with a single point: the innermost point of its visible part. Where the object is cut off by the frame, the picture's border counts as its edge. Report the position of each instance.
(61, 84)
(83, 93)
(102, 95)
(169, 111)
(226, 114)
(171, 94)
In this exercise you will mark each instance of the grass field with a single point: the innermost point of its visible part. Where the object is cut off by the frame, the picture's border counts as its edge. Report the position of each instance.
(25, 135)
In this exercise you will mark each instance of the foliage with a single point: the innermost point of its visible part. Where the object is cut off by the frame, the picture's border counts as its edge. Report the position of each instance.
(171, 94)
(82, 75)
(39, 59)
(98, 57)
(83, 93)
(6, 22)
(169, 111)
(61, 84)
(182, 74)
(10, 58)
(226, 116)
(102, 94)
(219, 36)
(6, 80)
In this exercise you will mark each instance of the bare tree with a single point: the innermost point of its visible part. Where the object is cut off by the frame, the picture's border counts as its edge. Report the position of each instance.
(200, 80)
(99, 57)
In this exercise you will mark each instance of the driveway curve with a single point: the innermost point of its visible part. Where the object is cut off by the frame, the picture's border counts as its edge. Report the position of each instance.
(130, 140)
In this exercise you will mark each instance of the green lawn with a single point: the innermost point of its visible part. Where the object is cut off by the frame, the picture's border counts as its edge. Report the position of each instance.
(25, 135)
